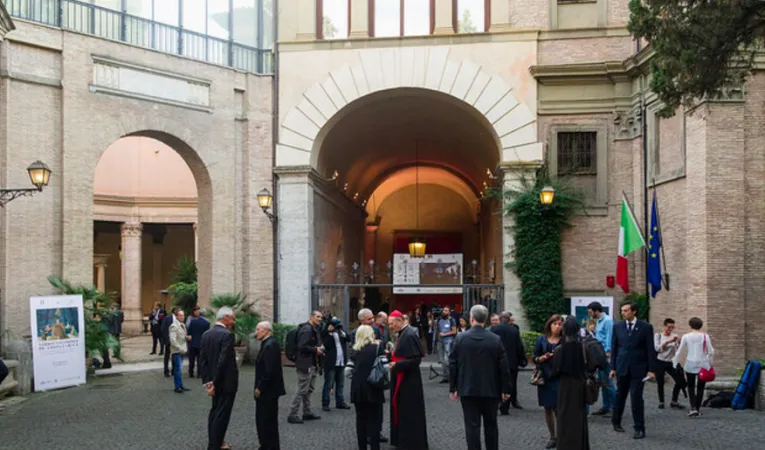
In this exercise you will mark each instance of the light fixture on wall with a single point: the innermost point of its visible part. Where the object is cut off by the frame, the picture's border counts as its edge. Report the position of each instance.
(265, 199)
(547, 195)
(39, 175)
(417, 244)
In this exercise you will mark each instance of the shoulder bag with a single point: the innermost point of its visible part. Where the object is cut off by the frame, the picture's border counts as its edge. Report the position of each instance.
(707, 375)
(378, 376)
(591, 384)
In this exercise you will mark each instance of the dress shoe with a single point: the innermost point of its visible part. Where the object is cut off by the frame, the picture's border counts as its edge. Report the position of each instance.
(185, 388)
(342, 406)
(601, 412)
(153, 353)
(551, 444)
(516, 405)
(294, 419)
(661, 405)
(618, 429)
(325, 409)
(675, 405)
(383, 439)
(178, 391)
(639, 434)
(167, 374)
(311, 417)
(444, 381)
(504, 413)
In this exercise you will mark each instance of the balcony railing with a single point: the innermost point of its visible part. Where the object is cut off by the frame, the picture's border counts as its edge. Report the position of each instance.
(120, 26)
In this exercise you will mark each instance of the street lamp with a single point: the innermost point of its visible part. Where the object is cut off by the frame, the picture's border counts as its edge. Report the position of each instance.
(265, 199)
(547, 195)
(39, 175)
(417, 247)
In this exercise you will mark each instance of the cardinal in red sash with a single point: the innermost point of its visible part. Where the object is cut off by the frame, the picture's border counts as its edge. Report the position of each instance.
(408, 430)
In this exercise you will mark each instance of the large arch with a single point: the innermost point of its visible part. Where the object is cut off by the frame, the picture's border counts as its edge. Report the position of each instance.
(305, 126)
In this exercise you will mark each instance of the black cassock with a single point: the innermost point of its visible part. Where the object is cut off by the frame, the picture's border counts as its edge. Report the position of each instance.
(408, 429)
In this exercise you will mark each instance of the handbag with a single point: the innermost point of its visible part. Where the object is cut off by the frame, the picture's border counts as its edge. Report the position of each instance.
(378, 376)
(537, 376)
(591, 384)
(707, 375)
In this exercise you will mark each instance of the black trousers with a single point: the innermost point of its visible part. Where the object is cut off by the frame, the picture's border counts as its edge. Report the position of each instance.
(193, 359)
(369, 417)
(156, 337)
(665, 367)
(504, 407)
(627, 385)
(218, 419)
(166, 350)
(267, 422)
(474, 409)
(695, 390)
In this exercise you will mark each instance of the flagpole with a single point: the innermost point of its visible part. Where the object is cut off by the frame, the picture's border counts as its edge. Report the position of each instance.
(645, 186)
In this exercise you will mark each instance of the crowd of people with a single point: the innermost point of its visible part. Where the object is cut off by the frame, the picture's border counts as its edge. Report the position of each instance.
(480, 357)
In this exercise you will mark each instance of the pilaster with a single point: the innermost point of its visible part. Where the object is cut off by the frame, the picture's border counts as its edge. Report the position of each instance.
(295, 223)
(500, 15)
(131, 277)
(359, 19)
(444, 17)
(306, 15)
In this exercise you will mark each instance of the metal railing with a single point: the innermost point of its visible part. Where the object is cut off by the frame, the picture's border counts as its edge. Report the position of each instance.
(342, 300)
(120, 26)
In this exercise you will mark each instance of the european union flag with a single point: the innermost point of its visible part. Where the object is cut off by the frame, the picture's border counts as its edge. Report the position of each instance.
(654, 249)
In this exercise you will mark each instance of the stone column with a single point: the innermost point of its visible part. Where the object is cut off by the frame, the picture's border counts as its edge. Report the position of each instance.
(196, 243)
(99, 261)
(306, 26)
(359, 19)
(444, 17)
(295, 222)
(131, 277)
(511, 181)
(500, 15)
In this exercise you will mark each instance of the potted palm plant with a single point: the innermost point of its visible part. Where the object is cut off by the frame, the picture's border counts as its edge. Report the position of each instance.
(246, 319)
(96, 306)
(184, 284)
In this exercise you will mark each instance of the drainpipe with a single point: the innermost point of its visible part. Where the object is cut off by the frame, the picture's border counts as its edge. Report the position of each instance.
(274, 140)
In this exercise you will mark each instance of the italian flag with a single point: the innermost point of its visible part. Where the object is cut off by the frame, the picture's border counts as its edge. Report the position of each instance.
(630, 239)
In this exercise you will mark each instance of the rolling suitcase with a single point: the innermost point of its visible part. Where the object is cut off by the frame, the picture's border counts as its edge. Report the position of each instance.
(747, 386)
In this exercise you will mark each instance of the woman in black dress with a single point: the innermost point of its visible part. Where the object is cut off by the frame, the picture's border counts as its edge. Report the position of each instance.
(547, 394)
(367, 399)
(570, 368)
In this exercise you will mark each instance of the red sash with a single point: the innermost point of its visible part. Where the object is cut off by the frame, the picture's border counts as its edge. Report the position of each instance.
(399, 377)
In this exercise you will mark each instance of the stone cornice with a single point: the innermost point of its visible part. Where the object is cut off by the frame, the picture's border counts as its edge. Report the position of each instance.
(146, 202)
(566, 74)
(6, 24)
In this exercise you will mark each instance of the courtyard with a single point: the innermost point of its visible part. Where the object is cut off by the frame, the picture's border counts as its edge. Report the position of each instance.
(141, 411)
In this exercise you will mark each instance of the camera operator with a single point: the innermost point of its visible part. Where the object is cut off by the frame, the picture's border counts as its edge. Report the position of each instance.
(335, 342)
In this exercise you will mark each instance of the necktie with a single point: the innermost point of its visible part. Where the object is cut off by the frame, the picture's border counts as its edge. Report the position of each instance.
(629, 328)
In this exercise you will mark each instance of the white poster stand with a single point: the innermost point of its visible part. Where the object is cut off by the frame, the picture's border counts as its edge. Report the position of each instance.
(58, 341)
(579, 307)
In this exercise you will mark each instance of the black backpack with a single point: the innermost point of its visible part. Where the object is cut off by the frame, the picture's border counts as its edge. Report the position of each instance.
(291, 342)
(596, 355)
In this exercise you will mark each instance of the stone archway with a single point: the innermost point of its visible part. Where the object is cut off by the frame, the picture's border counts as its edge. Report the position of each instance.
(305, 125)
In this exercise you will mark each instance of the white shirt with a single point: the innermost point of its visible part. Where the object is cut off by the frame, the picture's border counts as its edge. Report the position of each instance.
(339, 362)
(692, 350)
(664, 353)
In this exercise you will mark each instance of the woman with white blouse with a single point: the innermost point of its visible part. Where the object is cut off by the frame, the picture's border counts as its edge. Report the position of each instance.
(697, 351)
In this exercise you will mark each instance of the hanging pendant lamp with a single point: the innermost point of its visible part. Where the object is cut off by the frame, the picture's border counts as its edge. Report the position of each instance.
(417, 244)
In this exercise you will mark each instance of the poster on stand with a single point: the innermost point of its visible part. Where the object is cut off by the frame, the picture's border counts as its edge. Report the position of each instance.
(579, 307)
(432, 274)
(58, 341)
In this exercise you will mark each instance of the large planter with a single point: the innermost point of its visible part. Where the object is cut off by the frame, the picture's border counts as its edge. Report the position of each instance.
(21, 351)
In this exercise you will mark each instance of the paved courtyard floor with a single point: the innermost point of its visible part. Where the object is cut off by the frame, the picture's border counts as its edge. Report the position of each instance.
(140, 411)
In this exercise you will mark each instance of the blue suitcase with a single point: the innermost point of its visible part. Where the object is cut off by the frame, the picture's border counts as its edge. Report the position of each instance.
(747, 386)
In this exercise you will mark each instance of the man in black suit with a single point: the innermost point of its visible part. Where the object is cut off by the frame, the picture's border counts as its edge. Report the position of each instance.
(220, 375)
(269, 386)
(516, 357)
(480, 375)
(633, 359)
(165, 330)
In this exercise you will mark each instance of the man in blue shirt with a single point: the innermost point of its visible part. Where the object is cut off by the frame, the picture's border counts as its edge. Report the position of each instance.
(195, 329)
(446, 329)
(603, 332)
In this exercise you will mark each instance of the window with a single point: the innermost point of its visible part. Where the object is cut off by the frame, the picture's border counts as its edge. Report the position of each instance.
(335, 23)
(471, 16)
(577, 153)
(217, 19)
(194, 16)
(246, 22)
(387, 18)
(166, 12)
(416, 17)
(110, 4)
(139, 8)
(403, 17)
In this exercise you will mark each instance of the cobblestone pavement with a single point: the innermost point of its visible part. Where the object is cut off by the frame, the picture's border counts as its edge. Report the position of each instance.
(140, 411)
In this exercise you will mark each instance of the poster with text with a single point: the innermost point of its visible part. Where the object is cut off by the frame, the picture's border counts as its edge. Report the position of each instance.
(579, 307)
(58, 341)
(432, 274)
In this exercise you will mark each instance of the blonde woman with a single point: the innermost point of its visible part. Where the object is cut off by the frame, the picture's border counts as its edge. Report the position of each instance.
(367, 399)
